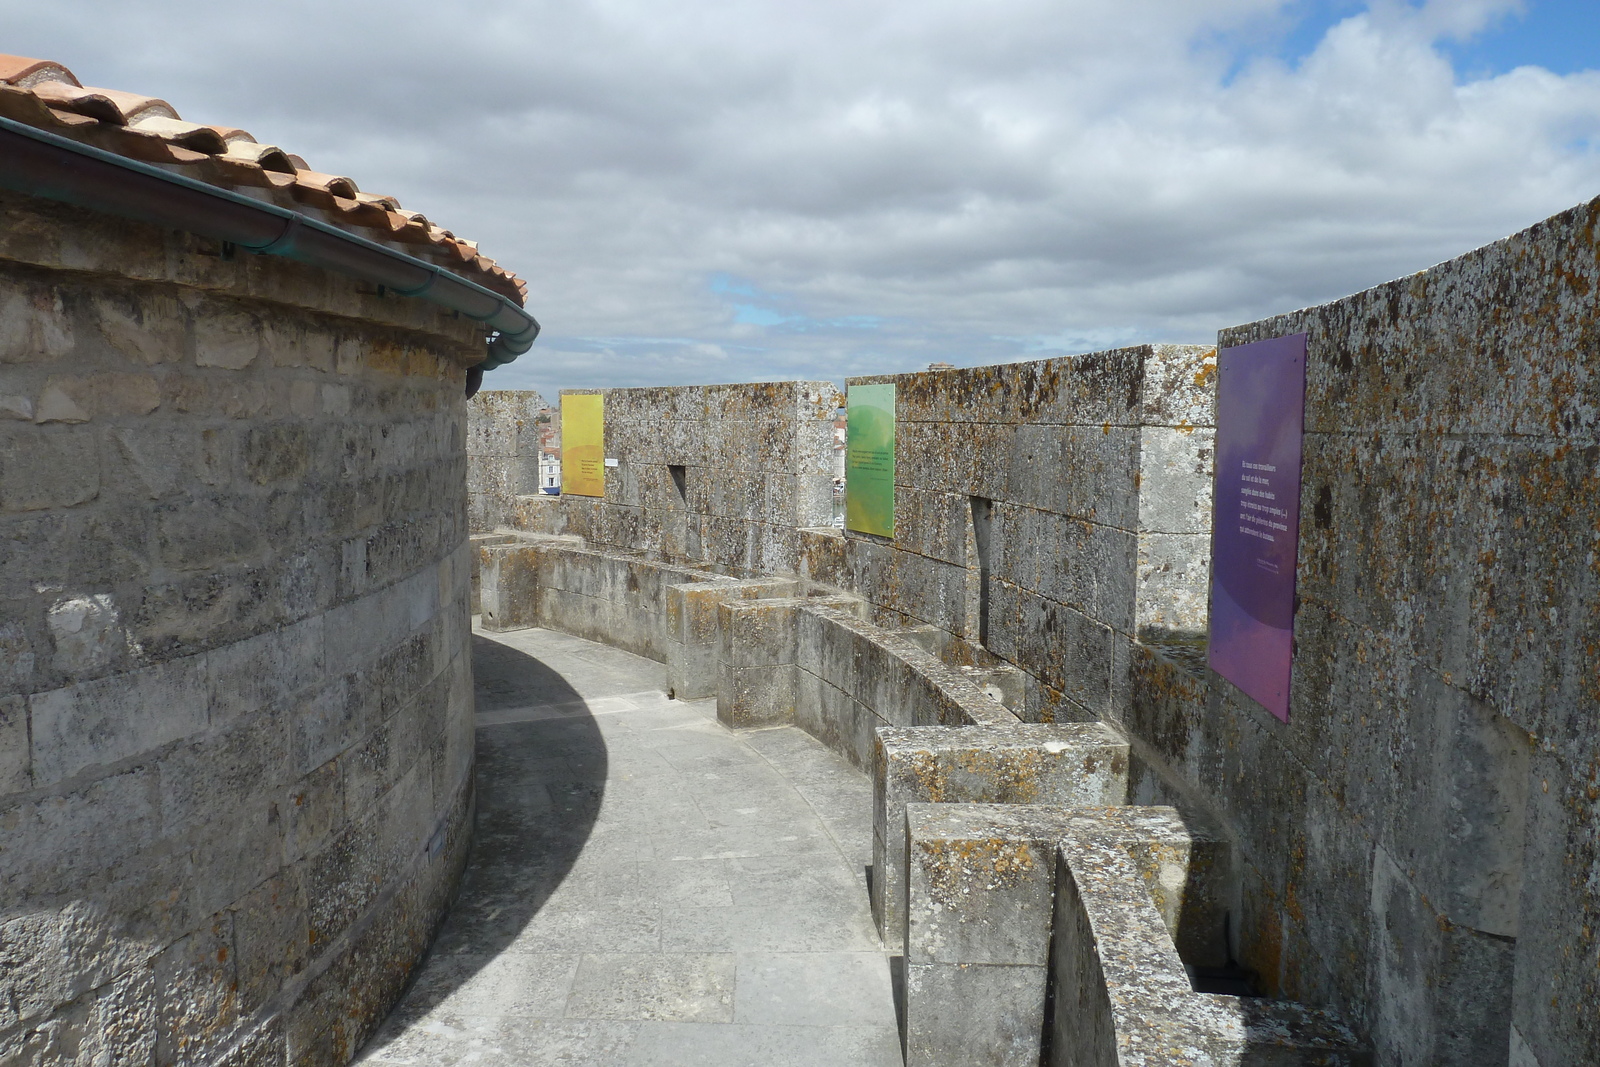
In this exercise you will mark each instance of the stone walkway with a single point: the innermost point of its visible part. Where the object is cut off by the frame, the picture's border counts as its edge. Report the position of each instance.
(646, 886)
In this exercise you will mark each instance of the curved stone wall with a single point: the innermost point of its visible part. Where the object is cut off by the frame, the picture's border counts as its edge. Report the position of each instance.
(235, 698)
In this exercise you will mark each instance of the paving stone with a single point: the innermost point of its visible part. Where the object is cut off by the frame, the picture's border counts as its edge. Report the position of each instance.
(676, 1044)
(813, 988)
(672, 987)
(647, 887)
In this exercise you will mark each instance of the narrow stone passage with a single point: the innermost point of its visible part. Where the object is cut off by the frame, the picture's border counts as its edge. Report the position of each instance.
(646, 886)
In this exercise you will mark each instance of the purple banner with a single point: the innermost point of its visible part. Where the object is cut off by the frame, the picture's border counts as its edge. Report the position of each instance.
(1261, 406)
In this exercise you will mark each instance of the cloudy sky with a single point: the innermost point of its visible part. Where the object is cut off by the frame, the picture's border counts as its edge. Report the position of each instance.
(730, 191)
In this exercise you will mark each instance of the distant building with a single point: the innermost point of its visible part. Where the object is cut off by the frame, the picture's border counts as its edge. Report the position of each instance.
(550, 450)
(550, 470)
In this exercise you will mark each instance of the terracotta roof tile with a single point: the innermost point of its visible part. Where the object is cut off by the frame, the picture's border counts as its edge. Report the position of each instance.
(266, 156)
(188, 135)
(107, 105)
(47, 95)
(25, 72)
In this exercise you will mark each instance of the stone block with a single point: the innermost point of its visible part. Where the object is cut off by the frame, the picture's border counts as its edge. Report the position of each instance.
(197, 1001)
(1179, 386)
(980, 880)
(270, 668)
(275, 453)
(822, 555)
(1175, 477)
(825, 641)
(229, 339)
(959, 1014)
(48, 470)
(1440, 990)
(508, 586)
(1173, 586)
(757, 633)
(37, 326)
(272, 938)
(100, 723)
(832, 717)
(314, 806)
(694, 632)
(163, 460)
(1103, 483)
(756, 696)
(56, 404)
(1077, 764)
(1067, 649)
(205, 535)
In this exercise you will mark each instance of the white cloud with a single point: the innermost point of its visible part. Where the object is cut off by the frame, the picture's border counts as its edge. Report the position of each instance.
(887, 183)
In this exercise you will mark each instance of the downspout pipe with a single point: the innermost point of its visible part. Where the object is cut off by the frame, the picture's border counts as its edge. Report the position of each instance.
(43, 164)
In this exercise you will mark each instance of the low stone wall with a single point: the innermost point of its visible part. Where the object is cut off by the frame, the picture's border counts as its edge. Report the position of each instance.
(1122, 993)
(811, 660)
(617, 598)
(855, 678)
(236, 729)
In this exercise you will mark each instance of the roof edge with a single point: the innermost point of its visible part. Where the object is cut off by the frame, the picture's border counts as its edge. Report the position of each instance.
(39, 163)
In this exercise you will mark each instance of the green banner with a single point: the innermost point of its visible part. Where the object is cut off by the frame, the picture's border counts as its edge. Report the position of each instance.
(869, 459)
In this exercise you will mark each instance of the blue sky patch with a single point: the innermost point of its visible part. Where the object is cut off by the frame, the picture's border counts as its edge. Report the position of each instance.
(1559, 35)
(1562, 36)
(754, 315)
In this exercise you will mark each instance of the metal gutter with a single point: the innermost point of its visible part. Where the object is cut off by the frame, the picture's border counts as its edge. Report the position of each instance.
(47, 165)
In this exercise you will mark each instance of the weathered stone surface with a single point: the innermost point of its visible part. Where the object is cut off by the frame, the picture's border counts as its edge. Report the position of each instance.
(1122, 994)
(1442, 640)
(1066, 764)
(48, 470)
(980, 898)
(973, 1013)
(194, 650)
(695, 632)
(716, 474)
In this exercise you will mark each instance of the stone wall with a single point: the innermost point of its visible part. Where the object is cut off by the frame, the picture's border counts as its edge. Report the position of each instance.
(503, 431)
(1421, 838)
(235, 700)
(723, 475)
(1046, 515)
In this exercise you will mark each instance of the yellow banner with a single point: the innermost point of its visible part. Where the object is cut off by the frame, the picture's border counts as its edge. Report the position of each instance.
(583, 444)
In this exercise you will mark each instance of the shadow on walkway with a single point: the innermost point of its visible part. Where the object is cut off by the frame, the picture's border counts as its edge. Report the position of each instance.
(541, 776)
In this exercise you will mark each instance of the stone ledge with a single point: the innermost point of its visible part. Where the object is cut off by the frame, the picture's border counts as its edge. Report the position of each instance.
(1120, 991)
(1075, 764)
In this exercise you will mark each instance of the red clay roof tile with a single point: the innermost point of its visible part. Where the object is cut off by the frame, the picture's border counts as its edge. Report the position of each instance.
(25, 72)
(188, 135)
(47, 95)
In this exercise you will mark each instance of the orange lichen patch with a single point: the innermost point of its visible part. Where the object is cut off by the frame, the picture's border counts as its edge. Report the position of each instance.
(48, 96)
(998, 863)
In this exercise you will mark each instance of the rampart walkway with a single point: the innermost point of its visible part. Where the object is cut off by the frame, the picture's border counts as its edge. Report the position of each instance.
(647, 887)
